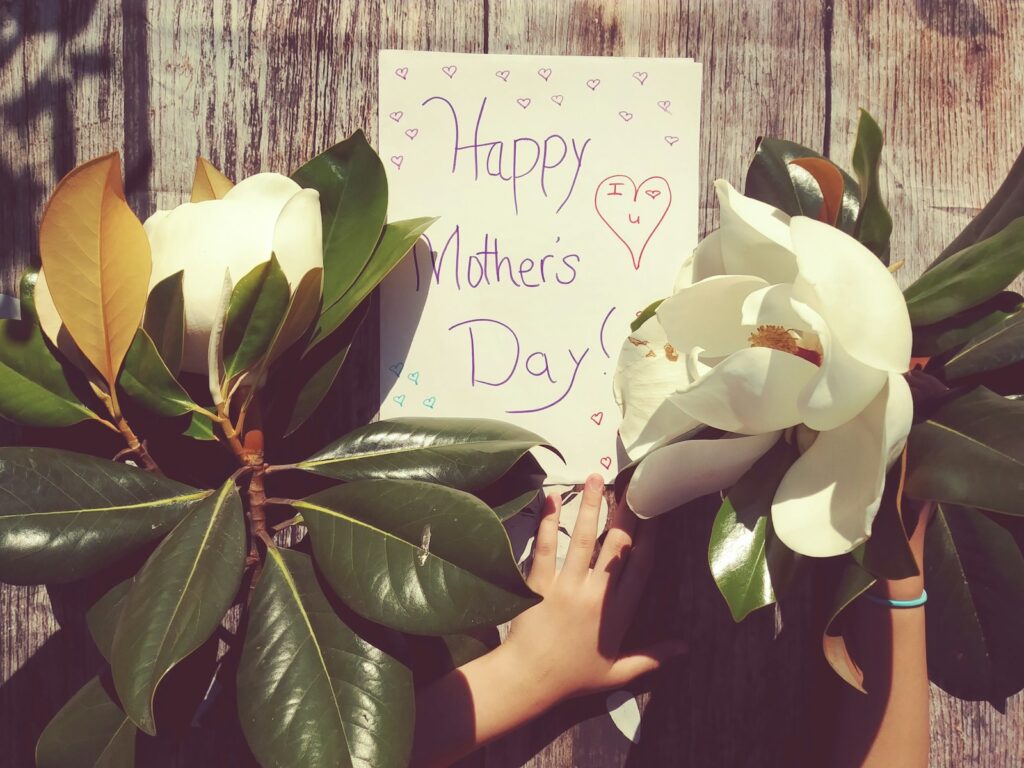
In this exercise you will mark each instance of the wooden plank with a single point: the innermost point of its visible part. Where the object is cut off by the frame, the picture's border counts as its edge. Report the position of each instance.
(943, 82)
(734, 701)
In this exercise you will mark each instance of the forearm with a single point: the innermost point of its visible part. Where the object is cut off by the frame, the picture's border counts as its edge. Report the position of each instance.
(472, 705)
(888, 726)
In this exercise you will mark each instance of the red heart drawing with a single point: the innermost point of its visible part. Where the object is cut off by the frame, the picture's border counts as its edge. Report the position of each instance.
(524, 103)
(412, 133)
(396, 160)
(593, 83)
(450, 70)
(503, 74)
(597, 418)
(627, 116)
(606, 462)
(633, 218)
(670, 140)
(557, 98)
(396, 116)
(402, 72)
(664, 105)
(640, 77)
(544, 72)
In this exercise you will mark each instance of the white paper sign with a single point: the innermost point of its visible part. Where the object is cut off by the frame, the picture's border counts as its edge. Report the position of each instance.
(567, 194)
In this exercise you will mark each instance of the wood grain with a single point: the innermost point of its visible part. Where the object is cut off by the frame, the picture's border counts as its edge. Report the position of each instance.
(262, 85)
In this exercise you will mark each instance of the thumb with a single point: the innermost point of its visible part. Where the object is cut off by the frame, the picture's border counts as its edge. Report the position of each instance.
(628, 668)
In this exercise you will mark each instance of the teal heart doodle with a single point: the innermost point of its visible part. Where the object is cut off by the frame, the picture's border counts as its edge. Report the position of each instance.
(430, 402)
(414, 377)
(397, 368)
(400, 399)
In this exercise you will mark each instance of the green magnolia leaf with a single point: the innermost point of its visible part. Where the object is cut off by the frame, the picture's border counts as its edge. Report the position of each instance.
(874, 224)
(258, 305)
(1006, 205)
(396, 241)
(853, 582)
(90, 731)
(312, 692)
(103, 615)
(970, 452)
(948, 334)
(353, 203)
(164, 320)
(772, 179)
(969, 277)
(307, 381)
(200, 428)
(747, 560)
(34, 389)
(415, 556)
(146, 379)
(996, 347)
(467, 454)
(516, 490)
(650, 311)
(975, 617)
(886, 554)
(64, 515)
(178, 599)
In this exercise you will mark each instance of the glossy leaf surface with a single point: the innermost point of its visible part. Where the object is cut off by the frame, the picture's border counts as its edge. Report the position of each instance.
(874, 224)
(146, 379)
(311, 691)
(34, 388)
(975, 615)
(948, 334)
(103, 615)
(177, 599)
(396, 241)
(853, 582)
(97, 261)
(998, 346)
(353, 203)
(970, 452)
(969, 277)
(258, 305)
(461, 453)
(165, 320)
(748, 562)
(90, 731)
(64, 515)
(415, 556)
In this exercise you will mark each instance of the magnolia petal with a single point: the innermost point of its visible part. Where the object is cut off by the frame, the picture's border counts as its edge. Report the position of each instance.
(827, 501)
(265, 194)
(707, 314)
(854, 293)
(752, 391)
(843, 386)
(298, 236)
(755, 237)
(680, 472)
(704, 262)
(644, 378)
(771, 305)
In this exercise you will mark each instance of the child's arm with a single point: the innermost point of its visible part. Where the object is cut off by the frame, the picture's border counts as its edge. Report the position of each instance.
(566, 645)
(889, 727)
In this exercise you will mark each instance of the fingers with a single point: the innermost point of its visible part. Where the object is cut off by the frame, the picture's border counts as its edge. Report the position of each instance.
(617, 542)
(545, 545)
(584, 533)
(630, 667)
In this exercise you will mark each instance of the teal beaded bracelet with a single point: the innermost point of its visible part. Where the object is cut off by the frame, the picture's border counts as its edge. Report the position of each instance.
(917, 601)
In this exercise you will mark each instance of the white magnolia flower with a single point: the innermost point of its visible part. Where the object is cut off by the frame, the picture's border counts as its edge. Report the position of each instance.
(263, 214)
(775, 323)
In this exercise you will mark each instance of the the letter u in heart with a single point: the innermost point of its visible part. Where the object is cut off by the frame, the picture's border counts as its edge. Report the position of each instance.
(633, 212)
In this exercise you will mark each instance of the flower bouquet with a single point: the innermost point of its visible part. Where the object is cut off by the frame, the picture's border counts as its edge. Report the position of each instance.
(789, 372)
(193, 349)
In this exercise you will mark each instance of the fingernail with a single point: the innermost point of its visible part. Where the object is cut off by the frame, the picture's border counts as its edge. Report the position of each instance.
(595, 483)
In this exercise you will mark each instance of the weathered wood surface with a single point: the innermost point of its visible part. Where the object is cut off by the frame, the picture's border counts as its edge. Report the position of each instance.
(260, 85)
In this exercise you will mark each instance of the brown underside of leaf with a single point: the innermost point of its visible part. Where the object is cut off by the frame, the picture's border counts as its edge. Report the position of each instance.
(209, 183)
(830, 181)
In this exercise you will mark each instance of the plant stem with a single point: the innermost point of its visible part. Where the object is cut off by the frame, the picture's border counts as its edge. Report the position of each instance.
(135, 446)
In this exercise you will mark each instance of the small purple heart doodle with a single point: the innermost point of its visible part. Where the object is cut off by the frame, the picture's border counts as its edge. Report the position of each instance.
(524, 103)
(670, 140)
(557, 98)
(397, 116)
(503, 74)
(402, 72)
(450, 70)
(412, 133)
(664, 105)
(593, 83)
(544, 72)
(396, 160)
(640, 77)
(627, 116)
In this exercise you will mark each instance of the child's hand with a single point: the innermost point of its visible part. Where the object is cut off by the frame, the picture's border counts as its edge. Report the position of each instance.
(569, 643)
